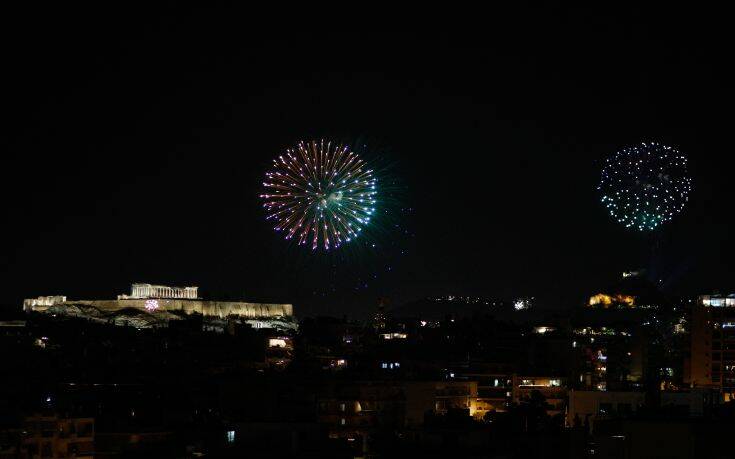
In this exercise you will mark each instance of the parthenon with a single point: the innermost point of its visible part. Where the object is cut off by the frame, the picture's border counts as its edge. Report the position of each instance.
(138, 291)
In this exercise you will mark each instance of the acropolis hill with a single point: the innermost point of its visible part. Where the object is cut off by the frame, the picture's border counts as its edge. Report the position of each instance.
(153, 298)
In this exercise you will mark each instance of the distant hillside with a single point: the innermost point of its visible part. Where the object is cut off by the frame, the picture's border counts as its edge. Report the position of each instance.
(431, 309)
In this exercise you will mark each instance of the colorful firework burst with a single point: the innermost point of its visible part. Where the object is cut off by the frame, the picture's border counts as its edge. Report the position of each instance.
(320, 192)
(151, 305)
(645, 185)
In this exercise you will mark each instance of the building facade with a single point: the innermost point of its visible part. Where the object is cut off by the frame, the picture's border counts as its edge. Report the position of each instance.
(146, 291)
(698, 365)
(554, 390)
(356, 408)
(53, 436)
(586, 407)
(712, 351)
(42, 301)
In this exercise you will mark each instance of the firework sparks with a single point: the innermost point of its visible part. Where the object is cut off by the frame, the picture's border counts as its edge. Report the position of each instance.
(645, 185)
(319, 193)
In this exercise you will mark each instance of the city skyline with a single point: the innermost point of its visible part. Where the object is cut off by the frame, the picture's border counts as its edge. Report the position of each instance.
(470, 233)
(496, 152)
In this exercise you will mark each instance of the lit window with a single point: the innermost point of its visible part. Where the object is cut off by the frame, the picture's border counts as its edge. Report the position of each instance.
(343, 421)
(342, 407)
(230, 436)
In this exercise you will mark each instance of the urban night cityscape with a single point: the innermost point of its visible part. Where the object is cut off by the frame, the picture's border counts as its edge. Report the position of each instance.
(450, 234)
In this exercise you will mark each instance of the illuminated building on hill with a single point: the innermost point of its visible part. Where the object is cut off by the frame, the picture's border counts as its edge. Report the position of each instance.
(41, 301)
(606, 301)
(144, 291)
(632, 290)
(161, 302)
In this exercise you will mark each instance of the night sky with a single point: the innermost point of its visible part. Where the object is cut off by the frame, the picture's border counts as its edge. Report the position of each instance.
(137, 143)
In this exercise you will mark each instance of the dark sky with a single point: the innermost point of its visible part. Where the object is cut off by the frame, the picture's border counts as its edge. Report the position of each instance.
(137, 141)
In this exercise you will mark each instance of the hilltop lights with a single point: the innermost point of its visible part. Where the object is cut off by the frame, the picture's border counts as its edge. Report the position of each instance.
(609, 300)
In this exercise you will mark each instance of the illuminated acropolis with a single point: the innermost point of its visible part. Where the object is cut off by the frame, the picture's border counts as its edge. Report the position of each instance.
(170, 299)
